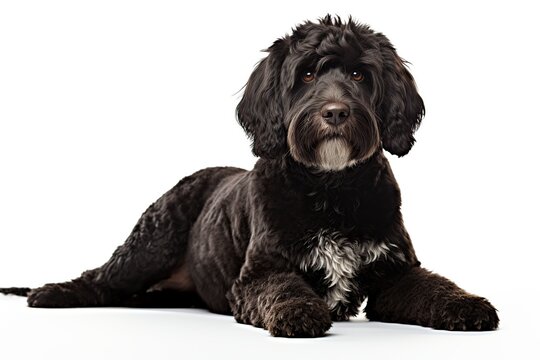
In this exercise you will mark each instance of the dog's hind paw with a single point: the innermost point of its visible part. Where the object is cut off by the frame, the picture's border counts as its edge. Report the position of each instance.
(63, 295)
(50, 296)
(298, 318)
(467, 313)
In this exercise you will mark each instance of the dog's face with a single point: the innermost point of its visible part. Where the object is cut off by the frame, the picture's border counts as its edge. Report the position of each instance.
(331, 94)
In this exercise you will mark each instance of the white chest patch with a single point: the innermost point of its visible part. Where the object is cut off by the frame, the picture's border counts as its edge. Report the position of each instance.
(340, 259)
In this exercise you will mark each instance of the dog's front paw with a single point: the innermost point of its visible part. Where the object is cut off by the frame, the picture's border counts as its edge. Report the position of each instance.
(299, 318)
(467, 313)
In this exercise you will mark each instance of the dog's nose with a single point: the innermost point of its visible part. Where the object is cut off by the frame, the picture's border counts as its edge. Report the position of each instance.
(335, 113)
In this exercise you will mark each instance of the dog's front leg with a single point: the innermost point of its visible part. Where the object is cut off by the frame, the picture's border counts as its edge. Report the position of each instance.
(268, 294)
(424, 298)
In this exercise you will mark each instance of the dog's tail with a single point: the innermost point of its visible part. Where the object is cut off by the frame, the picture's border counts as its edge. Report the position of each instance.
(19, 291)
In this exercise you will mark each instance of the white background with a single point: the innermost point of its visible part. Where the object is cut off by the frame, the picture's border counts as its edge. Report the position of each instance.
(104, 105)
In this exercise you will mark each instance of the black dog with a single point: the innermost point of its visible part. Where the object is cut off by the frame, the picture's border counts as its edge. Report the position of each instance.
(315, 227)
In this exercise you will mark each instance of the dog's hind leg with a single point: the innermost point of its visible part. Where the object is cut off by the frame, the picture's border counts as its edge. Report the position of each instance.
(154, 250)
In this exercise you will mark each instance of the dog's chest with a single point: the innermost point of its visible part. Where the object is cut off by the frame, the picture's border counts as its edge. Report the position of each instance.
(339, 259)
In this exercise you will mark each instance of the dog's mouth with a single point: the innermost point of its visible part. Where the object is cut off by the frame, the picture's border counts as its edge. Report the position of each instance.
(323, 147)
(316, 143)
(333, 135)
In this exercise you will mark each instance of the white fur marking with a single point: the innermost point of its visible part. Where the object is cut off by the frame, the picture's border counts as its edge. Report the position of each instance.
(334, 154)
(340, 259)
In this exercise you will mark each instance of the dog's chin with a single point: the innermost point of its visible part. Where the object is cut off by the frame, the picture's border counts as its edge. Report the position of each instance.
(334, 154)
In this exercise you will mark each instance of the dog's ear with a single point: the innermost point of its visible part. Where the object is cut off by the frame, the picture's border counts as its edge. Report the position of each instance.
(401, 108)
(260, 111)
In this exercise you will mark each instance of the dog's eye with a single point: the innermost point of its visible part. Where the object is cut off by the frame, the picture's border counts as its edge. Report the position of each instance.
(308, 76)
(357, 76)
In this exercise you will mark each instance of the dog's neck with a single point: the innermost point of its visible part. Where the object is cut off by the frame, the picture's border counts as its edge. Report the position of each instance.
(309, 179)
(335, 199)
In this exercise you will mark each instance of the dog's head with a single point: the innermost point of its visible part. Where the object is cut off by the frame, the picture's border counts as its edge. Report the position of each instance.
(330, 94)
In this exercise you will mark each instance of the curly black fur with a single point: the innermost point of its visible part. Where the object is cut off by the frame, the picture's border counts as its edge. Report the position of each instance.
(315, 227)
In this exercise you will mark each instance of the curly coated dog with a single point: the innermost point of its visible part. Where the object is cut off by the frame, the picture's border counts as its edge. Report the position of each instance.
(315, 228)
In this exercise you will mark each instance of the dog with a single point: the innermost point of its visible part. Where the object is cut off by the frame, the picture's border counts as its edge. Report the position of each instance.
(315, 228)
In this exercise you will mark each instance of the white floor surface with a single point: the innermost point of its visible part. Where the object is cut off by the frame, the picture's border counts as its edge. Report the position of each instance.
(107, 333)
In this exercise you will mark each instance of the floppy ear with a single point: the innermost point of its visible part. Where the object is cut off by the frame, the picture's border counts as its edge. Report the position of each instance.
(260, 112)
(402, 108)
